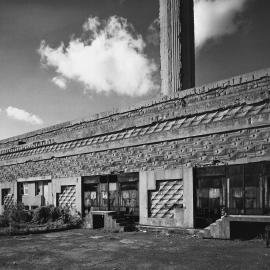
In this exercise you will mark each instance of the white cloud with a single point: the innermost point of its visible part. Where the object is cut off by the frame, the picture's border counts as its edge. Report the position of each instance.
(108, 57)
(60, 82)
(22, 115)
(92, 24)
(216, 18)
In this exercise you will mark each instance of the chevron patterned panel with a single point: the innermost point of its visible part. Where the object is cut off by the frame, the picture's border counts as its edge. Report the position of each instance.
(168, 194)
(9, 201)
(68, 197)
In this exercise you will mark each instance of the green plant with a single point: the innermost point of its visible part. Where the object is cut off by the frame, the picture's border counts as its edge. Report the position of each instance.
(55, 213)
(51, 213)
(42, 215)
(4, 222)
(17, 213)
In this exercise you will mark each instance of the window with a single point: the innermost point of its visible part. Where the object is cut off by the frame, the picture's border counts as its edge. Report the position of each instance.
(39, 188)
(25, 189)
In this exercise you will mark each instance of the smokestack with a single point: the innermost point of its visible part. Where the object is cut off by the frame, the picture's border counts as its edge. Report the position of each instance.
(177, 45)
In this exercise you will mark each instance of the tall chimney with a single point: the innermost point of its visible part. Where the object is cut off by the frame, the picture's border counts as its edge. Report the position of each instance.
(177, 45)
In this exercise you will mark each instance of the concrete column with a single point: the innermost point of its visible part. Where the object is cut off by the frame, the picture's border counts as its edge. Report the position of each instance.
(143, 196)
(228, 193)
(15, 191)
(79, 194)
(1, 207)
(50, 194)
(188, 198)
(177, 45)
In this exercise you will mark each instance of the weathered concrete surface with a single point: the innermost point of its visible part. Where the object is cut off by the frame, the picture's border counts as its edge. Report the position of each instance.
(221, 228)
(226, 121)
(177, 45)
(183, 217)
(85, 249)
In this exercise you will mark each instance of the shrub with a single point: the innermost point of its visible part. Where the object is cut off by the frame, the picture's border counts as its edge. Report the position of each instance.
(55, 213)
(4, 222)
(42, 214)
(17, 213)
(51, 213)
(18, 218)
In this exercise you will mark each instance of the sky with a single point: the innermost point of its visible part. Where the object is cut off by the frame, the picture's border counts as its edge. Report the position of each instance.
(65, 59)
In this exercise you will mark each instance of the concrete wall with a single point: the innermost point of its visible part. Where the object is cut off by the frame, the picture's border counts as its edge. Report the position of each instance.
(226, 122)
(183, 217)
(68, 181)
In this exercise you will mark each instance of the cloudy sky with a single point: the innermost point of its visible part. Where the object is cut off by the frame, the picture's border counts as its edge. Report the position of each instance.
(64, 59)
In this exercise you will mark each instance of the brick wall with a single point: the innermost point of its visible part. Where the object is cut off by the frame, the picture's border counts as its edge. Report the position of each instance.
(229, 147)
(227, 121)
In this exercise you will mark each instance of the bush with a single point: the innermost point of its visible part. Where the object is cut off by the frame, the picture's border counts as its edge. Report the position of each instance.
(55, 213)
(51, 216)
(51, 213)
(42, 215)
(4, 222)
(17, 213)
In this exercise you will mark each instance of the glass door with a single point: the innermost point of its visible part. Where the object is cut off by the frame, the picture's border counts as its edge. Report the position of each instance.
(113, 195)
(211, 197)
(129, 201)
(90, 197)
(267, 195)
(253, 189)
(108, 193)
(246, 189)
(236, 196)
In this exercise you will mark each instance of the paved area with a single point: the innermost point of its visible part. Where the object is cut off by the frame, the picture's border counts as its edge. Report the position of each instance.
(86, 249)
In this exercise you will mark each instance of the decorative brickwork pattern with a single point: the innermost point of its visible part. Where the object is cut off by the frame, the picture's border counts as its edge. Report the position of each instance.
(68, 197)
(198, 151)
(225, 122)
(244, 89)
(166, 198)
(8, 201)
(233, 113)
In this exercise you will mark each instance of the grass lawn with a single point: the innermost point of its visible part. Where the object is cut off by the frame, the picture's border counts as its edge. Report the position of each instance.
(88, 249)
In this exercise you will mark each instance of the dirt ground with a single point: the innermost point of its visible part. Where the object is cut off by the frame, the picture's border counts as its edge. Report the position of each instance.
(86, 249)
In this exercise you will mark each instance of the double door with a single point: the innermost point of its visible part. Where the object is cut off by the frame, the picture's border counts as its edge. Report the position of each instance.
(111, 193)
(248, 190)
(239, 189)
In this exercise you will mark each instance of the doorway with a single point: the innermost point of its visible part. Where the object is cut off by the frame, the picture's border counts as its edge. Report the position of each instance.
(210, 195)
(239, 189)
(114, 192)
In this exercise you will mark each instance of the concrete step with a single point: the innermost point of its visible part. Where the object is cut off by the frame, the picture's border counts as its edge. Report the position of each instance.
(127, 222)
(207, 233)
(172, 230)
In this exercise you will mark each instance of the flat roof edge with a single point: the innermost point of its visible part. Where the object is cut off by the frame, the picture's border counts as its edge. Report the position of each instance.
(233, 81)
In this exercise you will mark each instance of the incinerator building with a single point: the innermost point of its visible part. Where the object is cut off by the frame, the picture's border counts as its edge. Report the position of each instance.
(174, 161)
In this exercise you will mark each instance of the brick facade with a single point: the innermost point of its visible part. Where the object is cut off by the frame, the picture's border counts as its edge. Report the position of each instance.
(225, 122)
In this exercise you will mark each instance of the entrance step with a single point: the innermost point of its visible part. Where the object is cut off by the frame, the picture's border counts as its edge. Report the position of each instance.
(217, 230)
(127, 223)
(169, 230)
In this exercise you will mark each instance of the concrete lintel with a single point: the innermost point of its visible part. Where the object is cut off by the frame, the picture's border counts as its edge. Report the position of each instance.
(34, 179)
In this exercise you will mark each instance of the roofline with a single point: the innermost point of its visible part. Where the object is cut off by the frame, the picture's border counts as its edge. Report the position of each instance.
(233, 81)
